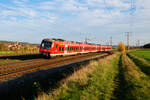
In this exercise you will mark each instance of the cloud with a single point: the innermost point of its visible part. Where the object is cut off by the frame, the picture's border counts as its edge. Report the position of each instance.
(66, 18)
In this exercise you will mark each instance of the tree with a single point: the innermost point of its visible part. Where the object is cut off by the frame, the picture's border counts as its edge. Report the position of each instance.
(27, 47)
(121, 47)
(1, 46)
(4, 46)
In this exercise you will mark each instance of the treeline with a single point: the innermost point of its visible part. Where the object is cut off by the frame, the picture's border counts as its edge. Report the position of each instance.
(146, 45)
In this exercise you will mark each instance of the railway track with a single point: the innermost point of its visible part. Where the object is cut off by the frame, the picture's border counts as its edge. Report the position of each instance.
(10, 71)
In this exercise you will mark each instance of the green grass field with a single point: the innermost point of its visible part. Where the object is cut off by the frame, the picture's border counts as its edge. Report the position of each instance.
(142, 53)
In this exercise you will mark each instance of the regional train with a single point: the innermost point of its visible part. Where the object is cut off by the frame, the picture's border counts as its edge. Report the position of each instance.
(55, 47)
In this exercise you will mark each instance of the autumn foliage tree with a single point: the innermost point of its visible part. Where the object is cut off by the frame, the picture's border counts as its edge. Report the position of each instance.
(121, 47)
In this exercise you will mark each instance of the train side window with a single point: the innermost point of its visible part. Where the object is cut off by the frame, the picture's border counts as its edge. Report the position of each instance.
(62, 48)
(59, 48)
(56, 45)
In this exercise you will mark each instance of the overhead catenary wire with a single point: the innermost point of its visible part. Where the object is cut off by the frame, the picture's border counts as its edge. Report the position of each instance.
(106, 7)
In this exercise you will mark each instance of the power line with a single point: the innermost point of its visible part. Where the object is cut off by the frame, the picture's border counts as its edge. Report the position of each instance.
(108, 9)
(132, 9)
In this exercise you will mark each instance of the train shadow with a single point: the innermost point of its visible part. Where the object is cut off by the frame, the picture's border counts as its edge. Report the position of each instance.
(29, 86)
(22, 57)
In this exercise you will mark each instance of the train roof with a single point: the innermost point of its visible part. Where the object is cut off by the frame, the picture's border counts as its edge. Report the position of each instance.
(62, 40)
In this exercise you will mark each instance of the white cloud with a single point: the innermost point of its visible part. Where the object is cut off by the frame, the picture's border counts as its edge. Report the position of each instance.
(72, 17)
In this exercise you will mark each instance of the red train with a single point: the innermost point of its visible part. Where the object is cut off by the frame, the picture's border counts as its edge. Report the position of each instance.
(54, 47)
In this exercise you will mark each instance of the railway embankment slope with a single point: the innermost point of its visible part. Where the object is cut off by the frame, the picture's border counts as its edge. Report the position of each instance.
(45, 75)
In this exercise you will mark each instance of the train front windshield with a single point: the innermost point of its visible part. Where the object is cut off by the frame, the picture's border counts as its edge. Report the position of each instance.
(46, 45)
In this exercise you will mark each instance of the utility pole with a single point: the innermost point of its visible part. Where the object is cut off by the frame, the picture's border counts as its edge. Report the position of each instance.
(128, 40)
(111, 41)
(85, 41)
(138, 43)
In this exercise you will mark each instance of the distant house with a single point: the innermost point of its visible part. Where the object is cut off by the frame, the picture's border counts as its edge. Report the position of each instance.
(15, 46)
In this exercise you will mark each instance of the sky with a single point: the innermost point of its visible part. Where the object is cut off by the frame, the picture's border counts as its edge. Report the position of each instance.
(98, 20)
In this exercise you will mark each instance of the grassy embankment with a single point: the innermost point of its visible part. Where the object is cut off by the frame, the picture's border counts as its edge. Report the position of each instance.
(136, 83)
(15, 53)
(93, 82)
(142, 59)
(20, 52)
(8, 61)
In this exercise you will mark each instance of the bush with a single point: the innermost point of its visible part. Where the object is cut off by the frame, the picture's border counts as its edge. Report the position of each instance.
(121, 47)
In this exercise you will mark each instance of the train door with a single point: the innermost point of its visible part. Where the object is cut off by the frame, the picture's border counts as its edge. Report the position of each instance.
(66, 48)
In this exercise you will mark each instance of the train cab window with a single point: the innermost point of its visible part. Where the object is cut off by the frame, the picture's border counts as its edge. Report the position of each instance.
(46, 45)
(56, 45)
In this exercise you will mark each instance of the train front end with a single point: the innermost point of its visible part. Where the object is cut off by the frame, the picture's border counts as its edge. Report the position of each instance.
(45, 47)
